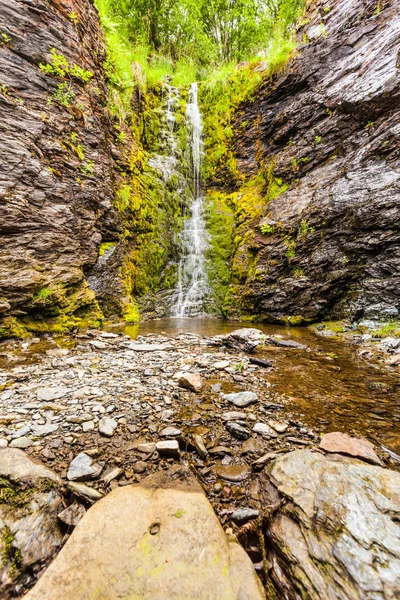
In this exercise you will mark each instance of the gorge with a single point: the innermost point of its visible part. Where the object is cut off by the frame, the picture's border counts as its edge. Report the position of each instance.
(199, 299)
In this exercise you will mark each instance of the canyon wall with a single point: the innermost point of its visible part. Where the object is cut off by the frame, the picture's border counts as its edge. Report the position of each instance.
(328, 129)
(55, 163)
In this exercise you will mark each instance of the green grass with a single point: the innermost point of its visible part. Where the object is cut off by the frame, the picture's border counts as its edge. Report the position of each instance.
(391, 329)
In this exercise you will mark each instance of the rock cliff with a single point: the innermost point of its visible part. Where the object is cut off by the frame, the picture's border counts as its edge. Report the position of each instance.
(328, 128)
(55, 187)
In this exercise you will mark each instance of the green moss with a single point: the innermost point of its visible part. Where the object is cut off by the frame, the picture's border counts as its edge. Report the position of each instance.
(104, 247)
(390, 329)
(131, 313)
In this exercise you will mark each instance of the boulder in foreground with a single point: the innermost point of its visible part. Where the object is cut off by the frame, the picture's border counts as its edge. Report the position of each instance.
(336, 534)
(158, 539)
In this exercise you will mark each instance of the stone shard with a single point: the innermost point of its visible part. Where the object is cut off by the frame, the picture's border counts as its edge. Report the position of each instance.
(82, 468)
(107, 426)
(159, 539)
(191, 381)
(341, 443)
(337, 533)
(168, 448)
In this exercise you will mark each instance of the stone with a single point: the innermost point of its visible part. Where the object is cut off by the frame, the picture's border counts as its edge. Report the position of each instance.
(18, 466)
(233, 415)
(278, 426)
(149, 347)
(48, 394)
(252, 446)
(286, 343)
(43, 430)
(191, 381)
(147, 448)
(72, 514)
(23, 431)
(336, 534)
(111, 474)
(233, 473)
(87, 426)
(241, 399)
(82, 468)
(243, 515)
(239, 432)
(246, 339)
(168, 448)
(29, 530)
(107, 426)
(221, 365)
(342, 443)
(163, 526)
(200, 445)
(264, 430)
(260, 362)
(170, 432)
(3, 443)
(98, 345)
(260, 463)
(22, 442)
(84, 491)
(139, 467)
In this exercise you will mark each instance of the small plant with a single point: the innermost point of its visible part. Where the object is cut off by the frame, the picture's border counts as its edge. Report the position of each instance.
(345, 260)
(88, 167)
(298, 272)
(4, 90)
(4, 39)
(74, 136)
(378, 9)
(73, 17)
(121, 137)
(60, 67)
(305, 228)
(318, 139)
(327, 9)
(267, 229)
(64, 95)
(369, 124)
(323, 30)
(239, 367)
(290, 247)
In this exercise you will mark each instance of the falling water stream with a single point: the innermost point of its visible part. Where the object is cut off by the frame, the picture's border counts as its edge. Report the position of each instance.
(192, 285)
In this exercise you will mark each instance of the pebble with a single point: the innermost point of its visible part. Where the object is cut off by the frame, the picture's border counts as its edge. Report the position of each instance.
(170, 432)
(3, 443)
(107, 426)
(88, 426)
(278, 426)
(111, 473)
(168, 448)
(84, 491)
(81, 468)
(72, 514)
(264, 430)
(200, 446)
(238, 431)
(140, 466)
(243, 515)
(241, 399)
(51, 393)
(191, 381)
(22, 442)
(233, 473)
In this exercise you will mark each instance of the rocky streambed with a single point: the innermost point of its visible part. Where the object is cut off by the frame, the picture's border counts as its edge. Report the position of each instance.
(152, 430)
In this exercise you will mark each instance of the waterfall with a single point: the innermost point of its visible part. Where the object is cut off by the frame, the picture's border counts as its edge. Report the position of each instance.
(192, 286)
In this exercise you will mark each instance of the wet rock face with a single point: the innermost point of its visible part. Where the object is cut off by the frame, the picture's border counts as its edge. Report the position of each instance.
(336, 535)
(329, 128)
(55, 188)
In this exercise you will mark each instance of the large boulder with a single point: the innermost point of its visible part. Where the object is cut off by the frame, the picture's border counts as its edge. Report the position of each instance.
(158, 539)
(29, 529)
(334, 532)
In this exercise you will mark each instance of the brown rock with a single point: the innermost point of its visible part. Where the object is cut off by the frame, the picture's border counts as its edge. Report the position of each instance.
(341, 443)
(191, 381)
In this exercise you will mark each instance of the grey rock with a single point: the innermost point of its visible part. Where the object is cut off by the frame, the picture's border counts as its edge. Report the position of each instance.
(48, 394)
(82, 468)
(170, 432)
(84, 491)
(200, 445)
(264, 430)
(23, 442)
(241, 399)
(107, 426)
(147, 447)
(72, 514)
(243, 515)
(238, 431)
(43, 430)
(339, 515)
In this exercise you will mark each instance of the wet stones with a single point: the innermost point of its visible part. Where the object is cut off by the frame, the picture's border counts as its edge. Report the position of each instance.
(264, 430)
(191, 381)
(244, 515)
(241, 399)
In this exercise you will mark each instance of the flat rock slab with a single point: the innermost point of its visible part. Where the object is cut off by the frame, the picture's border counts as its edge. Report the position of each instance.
(149, 347)
(337, 533)
(241, 399)
(341, 443)
(18, 466)
(158, 540)
(82, 467)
